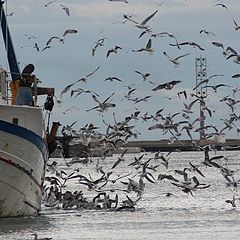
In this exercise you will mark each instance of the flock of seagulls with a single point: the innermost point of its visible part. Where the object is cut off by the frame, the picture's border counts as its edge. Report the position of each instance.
(111, 189)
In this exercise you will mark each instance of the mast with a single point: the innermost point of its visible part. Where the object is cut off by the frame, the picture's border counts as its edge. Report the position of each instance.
(201, 77)
(12, 60)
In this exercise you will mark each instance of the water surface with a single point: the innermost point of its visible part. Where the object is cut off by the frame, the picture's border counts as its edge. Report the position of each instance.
(205, 215)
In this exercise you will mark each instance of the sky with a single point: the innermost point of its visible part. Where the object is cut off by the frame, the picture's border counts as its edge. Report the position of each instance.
(65, 63)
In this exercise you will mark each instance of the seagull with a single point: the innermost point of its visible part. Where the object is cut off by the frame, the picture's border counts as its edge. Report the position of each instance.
(175, 60)
(113, 78)
(237, 57)
(99, 43)
(206, 80)
(237, 75)
(218, 44)
(65, 90)
(144, 75)
(46, 4)
(187, 108)
(207, 32)
(148, 48)
(113, 50)
(80, 91)
(69, 31)
(66, 9)
(222, 5)
(237, 27)
(36, 46)
(193, 44)
(120, 159)
(51, 38)
(143, 99)
(168, 34)
(232, 201)
(215, 87)
(225, 52)
(84, 79)
(10, 14)
(142, 25)
(102, 106)
(167, 86)
(61, 39)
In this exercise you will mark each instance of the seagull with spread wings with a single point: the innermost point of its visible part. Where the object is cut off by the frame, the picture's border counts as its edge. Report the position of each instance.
(206, 80)
(175, 60)
(221, 5)
(67, 88)
(85, 78)
(167, 85)
(113, 50)
(81, 90)
(190, 43)
(102, 106)
(207, 32)
(62, 38)
(111, 79)
(215, 87)
(141, 25)
(66, 9)
(148, 48)
(144, 75)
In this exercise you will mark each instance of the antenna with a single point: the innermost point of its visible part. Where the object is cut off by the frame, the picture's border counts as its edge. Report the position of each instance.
(201, 81)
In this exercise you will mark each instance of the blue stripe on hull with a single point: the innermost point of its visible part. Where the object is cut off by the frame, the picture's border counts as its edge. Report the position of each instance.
(25, 134)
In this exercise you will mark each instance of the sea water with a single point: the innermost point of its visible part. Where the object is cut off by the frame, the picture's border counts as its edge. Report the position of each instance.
(205, 215)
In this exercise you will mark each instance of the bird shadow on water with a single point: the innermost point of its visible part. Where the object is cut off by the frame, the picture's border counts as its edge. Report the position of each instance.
(19, 224)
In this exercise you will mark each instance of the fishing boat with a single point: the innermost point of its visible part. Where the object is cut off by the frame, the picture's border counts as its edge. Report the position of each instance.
(24, 139)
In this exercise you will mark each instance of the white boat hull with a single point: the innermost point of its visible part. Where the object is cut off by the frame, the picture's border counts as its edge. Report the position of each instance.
(23, 156)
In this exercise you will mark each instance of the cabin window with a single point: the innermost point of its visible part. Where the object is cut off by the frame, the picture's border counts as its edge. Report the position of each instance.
(15, 121)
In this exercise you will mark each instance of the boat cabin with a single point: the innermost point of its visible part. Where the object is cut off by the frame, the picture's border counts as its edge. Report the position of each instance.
(22, 115)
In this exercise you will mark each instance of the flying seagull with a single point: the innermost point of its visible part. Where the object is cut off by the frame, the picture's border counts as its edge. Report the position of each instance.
(144, 75)
(102, 106)
(113, 50)
(148, 48)
(207, 32)
(84, 79)
(175, 60)
(141, 25)
(46, 4)
(167, 85)
(66, 9)
(190, 43)
(237, 27)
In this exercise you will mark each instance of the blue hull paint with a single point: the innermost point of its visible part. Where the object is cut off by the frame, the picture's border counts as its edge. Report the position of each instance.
(25, 134)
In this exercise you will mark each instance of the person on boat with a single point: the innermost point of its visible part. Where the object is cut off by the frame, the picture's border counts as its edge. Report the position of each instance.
(24, 93)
